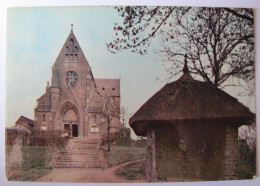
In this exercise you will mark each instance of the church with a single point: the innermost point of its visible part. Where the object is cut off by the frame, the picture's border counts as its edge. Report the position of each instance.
(75, 102)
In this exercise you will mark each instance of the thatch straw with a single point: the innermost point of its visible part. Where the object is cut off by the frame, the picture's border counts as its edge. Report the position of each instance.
(189, 99)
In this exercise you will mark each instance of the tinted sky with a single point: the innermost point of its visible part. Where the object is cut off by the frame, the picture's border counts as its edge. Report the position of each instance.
(35, 37)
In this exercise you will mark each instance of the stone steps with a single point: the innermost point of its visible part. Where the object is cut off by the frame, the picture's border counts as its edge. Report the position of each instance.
(79, 153)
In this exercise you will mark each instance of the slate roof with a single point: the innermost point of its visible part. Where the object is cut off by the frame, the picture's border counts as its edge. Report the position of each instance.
(44, 101)
(31, 122)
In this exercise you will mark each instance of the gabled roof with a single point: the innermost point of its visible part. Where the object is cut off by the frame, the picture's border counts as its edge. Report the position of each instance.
(109, 87)
(31, 122)
(71, 51)
(44, 101)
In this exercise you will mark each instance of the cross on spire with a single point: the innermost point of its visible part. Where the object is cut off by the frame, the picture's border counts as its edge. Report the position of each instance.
(72, 27)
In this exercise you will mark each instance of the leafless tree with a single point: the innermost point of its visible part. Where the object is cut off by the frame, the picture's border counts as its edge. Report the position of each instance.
(124, 115)
(248, 133)
(110, 112)
(219, 42)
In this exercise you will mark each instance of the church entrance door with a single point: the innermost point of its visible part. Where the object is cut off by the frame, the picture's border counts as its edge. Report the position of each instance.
(75, 130)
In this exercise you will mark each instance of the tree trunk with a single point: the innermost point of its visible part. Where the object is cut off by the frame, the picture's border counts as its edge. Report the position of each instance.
(108, 137)
(151, 161)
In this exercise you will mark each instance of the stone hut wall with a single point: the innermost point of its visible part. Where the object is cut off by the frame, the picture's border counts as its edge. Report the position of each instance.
(196, 155)
(231, 153)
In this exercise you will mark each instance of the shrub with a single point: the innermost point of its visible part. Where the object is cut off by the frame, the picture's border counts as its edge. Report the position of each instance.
(247, 161)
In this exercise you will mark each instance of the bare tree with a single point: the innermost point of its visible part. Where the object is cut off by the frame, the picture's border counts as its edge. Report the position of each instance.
(124, 115)
(110, 112)
(219, 42)
(248, 133)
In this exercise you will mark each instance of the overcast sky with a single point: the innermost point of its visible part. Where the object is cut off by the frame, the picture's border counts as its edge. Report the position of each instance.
(35, 37)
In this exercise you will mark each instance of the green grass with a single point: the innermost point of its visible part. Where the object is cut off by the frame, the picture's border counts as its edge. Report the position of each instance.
(132, 171)
(35, 164)
(121, 154)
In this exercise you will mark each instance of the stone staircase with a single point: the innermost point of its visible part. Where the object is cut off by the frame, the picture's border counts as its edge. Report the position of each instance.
(79, 153)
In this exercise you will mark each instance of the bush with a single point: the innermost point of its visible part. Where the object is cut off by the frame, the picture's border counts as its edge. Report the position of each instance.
(36, 138)
(49, 138)
(12, 134)
(123, 138)
(247, 161)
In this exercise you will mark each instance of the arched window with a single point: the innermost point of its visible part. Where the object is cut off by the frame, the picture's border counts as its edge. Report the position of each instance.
(43, 117)
(76, 49)
(67, 49)
(72, 43)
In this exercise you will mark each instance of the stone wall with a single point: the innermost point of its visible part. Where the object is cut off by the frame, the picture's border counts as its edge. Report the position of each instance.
(231, 153)
(194, 156)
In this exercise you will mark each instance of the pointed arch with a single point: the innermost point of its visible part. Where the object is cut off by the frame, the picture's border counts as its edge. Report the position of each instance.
(71, 107)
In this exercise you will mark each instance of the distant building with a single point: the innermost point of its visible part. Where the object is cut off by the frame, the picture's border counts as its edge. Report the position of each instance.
(74, 102)
(25, 122)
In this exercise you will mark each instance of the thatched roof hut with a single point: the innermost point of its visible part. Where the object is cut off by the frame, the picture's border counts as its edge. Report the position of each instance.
(191, 121)
(188, 99)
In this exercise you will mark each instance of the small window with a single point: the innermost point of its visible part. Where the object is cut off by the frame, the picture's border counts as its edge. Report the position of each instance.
(103, 88)
(43, 117)
(113, 88)
(94, 129)
(44, 128)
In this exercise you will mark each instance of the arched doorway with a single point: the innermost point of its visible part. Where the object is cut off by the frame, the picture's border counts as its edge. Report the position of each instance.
(70, 119)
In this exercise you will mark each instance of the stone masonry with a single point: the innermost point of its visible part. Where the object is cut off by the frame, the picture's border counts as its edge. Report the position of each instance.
(231, 153)
(74, 101)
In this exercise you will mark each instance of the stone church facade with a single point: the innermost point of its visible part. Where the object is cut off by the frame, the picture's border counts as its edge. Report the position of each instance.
(75, 102)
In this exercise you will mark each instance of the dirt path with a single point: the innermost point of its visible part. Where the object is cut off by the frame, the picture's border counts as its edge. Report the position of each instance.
(77, 175)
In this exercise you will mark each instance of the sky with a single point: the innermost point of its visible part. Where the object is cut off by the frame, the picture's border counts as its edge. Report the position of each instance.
(32, 38)
(35, 37)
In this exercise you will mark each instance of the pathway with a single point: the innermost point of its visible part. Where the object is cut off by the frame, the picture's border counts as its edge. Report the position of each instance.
(81, 175)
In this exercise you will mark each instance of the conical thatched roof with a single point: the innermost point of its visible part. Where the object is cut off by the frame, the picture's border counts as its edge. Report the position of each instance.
(189, 100)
